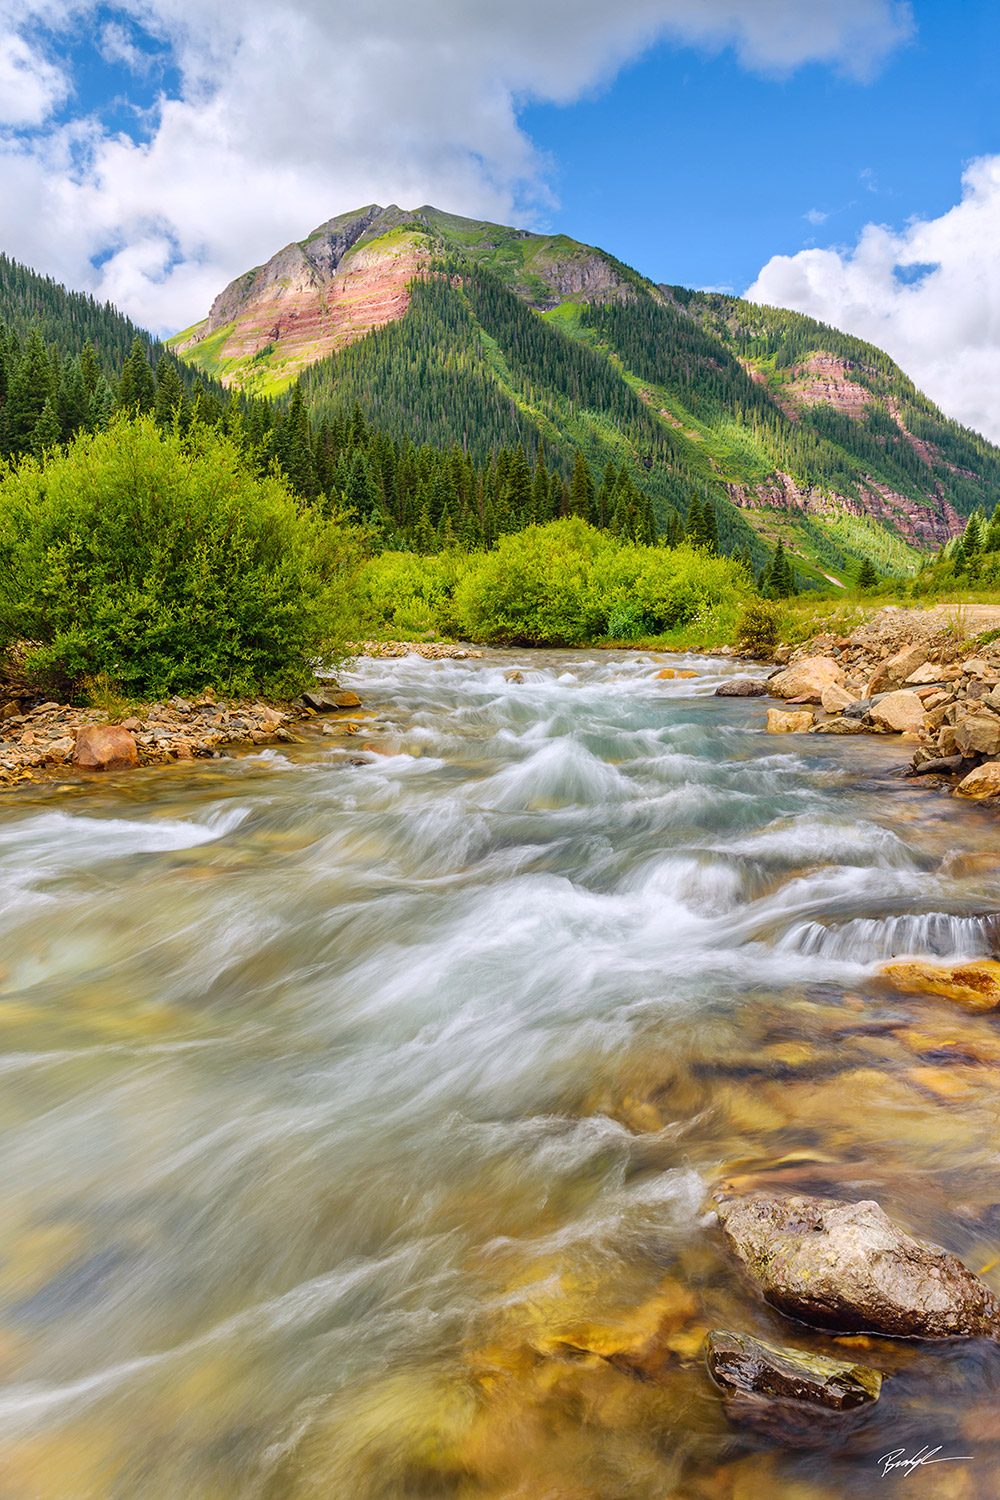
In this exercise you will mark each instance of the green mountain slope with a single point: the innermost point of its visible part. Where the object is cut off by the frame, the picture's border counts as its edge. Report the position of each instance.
(448, 330)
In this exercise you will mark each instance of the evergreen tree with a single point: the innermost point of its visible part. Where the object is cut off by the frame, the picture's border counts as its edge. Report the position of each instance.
(868, 578)
(137, 386)
(710, 528)
(604, 503)
(694, 530)
(581, 489)
(169, 393)
(47, 433)
(30, 388)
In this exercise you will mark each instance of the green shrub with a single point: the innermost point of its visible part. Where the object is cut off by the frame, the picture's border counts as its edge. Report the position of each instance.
(532, 590)
(566, 583)
(167, 564)
(758, 627)
(406, 594)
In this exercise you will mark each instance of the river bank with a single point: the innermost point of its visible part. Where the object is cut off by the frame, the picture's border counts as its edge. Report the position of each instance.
(930, 677)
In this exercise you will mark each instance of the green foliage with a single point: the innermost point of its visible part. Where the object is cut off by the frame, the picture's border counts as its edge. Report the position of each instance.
(758, 627)
(778, 579)
(568, 583)
(168, 564)
(868, 577)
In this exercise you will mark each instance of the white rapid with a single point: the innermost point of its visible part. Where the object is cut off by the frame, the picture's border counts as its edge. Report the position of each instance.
(324, 1072)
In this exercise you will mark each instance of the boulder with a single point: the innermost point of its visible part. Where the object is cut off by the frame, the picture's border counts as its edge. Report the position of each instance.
(835, 699)
(848, 1266)
(785, 723)
(984, 781)
(665, 674)
(105, 747)
(927, 673)
(742, 687)
(843, 725)
(978, 734)
(894, 672)
(974, 983)
(806, 678)
(324, 702)
(740, 1363)
(901, 713)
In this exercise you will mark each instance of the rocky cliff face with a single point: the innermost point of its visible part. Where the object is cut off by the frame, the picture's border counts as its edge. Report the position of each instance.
(351, 275)
(924, 526)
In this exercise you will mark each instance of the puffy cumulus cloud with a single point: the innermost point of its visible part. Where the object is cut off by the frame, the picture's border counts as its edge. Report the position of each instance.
(286, 115)
(30, 85)
(929, 295)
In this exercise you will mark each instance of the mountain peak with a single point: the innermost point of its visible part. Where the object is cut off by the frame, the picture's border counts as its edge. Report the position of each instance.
(352, 273)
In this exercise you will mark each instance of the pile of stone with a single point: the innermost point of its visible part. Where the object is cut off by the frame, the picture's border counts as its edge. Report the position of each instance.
(903, 673)
(49, 737)
(837, 1266)
(430, 650)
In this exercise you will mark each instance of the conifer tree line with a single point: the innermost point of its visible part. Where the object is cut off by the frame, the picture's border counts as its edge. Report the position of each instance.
(46, 396)
(666, 345)
(425, 499)
(67, 369)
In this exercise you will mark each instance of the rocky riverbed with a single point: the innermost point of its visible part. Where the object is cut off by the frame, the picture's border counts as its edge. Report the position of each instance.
(45, 739)
(915, 674)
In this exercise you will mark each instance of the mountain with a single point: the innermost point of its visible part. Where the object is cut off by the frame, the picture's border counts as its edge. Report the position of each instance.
(449, 330)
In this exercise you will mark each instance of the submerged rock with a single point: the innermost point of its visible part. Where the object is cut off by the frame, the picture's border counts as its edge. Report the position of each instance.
(105, 747)
(742, 687)
(847, 1266)
(810, 1385)
(975, 983)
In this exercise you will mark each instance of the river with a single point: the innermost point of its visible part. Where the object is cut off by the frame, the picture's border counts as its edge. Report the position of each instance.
(341, 1090)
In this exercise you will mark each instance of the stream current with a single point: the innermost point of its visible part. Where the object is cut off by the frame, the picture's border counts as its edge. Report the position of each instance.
(351, 1099)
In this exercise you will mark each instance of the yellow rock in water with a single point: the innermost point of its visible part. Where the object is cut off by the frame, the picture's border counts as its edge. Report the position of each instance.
(779, 722)
(667, 672)
(687, 674)
(975, 984)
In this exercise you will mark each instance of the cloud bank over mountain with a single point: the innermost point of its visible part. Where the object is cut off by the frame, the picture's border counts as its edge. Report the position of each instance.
(267, 119)
(928, 294)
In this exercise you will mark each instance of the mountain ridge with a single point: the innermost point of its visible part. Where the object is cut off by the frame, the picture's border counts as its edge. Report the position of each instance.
(811, 436)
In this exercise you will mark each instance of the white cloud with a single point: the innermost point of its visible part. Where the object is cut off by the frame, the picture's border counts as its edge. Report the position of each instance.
(943, 325)
(30, 85)
(816, 216)
(287, 115)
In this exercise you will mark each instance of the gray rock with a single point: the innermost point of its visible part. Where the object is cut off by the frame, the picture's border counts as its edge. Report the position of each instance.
(847, 1266)
(741, 687)
(941, 765)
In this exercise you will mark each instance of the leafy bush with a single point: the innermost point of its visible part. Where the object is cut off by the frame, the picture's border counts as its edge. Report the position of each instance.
(758, 627)
(168, 564)
(566, 583)
(406, 594)
(532, 590)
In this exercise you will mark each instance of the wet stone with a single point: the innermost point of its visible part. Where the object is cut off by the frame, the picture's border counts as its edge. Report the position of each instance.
(848, 1266)
(742, 687)
(745, 1366)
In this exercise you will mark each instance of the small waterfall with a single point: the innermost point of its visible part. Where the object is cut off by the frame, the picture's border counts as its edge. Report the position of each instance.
(872, 939)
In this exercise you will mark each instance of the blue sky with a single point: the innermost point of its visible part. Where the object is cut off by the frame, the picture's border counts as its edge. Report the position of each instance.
(697, 171)
(839, 156)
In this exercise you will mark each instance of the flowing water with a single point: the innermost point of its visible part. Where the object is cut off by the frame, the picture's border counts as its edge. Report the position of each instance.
(354, 1103)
